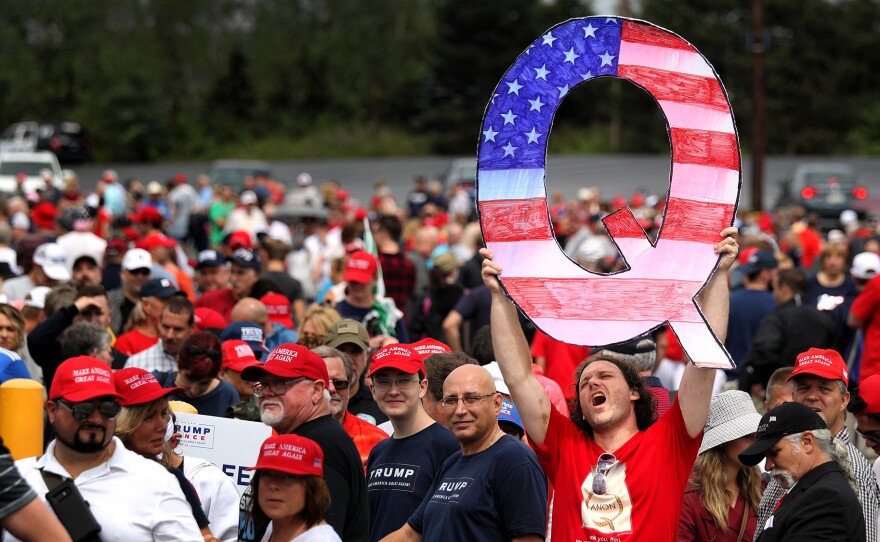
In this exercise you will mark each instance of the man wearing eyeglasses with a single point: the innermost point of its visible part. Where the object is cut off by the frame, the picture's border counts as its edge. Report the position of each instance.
(493, 488)
(820, 381)
(339, 368)
(131, 498)
(292, 394)
(402, 469)
(617, 474)
(137, 268)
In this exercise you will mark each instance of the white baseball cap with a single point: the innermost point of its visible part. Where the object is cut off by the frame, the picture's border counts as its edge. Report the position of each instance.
(20, 221)
(52, 258)
(865, 265)
(248, 198)
(304, 179)
(37, 297)
(137, 258)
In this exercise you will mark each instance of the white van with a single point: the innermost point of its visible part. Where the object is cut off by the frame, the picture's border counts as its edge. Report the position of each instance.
(31, 164)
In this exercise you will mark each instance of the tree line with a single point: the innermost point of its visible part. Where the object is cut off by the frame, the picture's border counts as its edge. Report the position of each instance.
(156, 79)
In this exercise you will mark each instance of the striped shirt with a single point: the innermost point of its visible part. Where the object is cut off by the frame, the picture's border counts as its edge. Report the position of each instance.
(152, 359)
(15, 493)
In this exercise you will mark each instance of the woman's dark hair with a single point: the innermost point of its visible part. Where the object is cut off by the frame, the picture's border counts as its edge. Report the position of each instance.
(200, 356)
(316, 506)
(645, 406)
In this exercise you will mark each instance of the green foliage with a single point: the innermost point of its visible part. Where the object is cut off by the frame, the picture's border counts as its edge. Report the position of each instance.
(306, 78)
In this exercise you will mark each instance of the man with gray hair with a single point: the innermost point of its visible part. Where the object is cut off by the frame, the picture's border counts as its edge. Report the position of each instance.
(818, 501)
(86, 339)
(339, 368)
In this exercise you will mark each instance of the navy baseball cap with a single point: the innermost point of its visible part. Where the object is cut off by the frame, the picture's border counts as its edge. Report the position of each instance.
(247, 258)
(209, 258)
(758, 261)
(249, 332)
(161, 288)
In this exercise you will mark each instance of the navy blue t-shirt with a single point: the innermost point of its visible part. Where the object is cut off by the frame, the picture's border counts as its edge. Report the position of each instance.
(815, 291)
(497, 494)
(747, 309)
(400, 472)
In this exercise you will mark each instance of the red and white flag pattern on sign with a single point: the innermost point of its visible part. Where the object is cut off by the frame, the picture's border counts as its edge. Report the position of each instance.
(564, 300)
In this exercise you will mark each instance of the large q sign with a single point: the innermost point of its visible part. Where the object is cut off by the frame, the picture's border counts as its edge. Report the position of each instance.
(564, 300)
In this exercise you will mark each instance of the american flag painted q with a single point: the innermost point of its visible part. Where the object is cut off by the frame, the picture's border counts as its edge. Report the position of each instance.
(561, 298)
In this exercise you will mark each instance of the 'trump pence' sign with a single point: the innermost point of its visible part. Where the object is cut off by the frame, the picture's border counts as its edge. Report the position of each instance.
(564, 300)
(232, 445)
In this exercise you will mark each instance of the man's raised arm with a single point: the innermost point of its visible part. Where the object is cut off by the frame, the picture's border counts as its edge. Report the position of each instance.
(695, 390)
(513, 356)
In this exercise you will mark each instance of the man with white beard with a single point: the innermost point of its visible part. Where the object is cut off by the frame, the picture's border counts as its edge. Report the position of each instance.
(819, 502)
(292, 394)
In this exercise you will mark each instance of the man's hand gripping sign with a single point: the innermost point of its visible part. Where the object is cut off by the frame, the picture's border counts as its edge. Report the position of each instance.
(565, 301)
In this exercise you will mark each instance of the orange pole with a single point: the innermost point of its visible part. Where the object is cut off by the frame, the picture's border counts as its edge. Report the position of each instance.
(21, 416)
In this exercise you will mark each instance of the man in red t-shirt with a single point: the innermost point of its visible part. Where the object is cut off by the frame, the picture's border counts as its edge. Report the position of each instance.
(154, 294)
(245, 268)
(618, 475)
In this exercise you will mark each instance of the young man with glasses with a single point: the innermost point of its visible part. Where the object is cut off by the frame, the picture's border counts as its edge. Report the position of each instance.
(819, 380)
(493, 488)
(364, 434)
(137, 268)
(131, 498)
(292, 394)
(401, 469)
(613, 413)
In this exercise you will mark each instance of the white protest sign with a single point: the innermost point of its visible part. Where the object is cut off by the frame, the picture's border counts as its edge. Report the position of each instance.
(232, 445)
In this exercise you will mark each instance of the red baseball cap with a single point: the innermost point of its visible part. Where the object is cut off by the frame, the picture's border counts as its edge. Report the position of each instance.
(822, 363)
(292, 454)
(869, 391)
(83, 378)
(278, 308)
(289, 361)
(240, 239)
(360, 267)
(44, 214)
(147, 214)
(237, 355)
(429, 347)
(138, 386)
(397, 356)
(155, 240)
(206, 318)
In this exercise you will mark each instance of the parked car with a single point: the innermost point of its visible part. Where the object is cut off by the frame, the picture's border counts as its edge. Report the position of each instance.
(232, 173)
(826, 189)
(31, 165)
(68, 140)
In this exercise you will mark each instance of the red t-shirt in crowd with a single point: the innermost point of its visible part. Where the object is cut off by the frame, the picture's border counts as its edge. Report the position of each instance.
(866, 308)
(132, 342)
(561, 360)
(221, 301)
(644, 488)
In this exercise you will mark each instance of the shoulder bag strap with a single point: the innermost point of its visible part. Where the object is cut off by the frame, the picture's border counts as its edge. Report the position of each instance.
(745, 519)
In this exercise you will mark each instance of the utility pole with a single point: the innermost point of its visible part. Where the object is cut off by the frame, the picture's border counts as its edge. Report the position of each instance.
(759, 143)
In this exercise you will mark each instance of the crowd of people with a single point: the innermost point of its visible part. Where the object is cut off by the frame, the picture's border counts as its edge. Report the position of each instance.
(409, 398)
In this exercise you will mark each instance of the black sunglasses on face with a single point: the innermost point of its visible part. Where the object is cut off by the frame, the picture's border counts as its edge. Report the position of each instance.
(83, 410)
(341, 385)
(142, 271)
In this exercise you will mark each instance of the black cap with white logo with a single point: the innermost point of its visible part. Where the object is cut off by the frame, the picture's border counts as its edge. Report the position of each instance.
(786, 419)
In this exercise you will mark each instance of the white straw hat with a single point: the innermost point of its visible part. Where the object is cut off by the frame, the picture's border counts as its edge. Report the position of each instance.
(732, 415)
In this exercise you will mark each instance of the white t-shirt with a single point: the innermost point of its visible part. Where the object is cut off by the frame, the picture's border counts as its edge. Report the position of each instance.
(218, 495)
(318, 533)
(133, 498)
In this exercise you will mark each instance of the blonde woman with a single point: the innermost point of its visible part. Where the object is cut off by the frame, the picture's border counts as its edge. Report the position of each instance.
(315, 323)
(721, 499)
